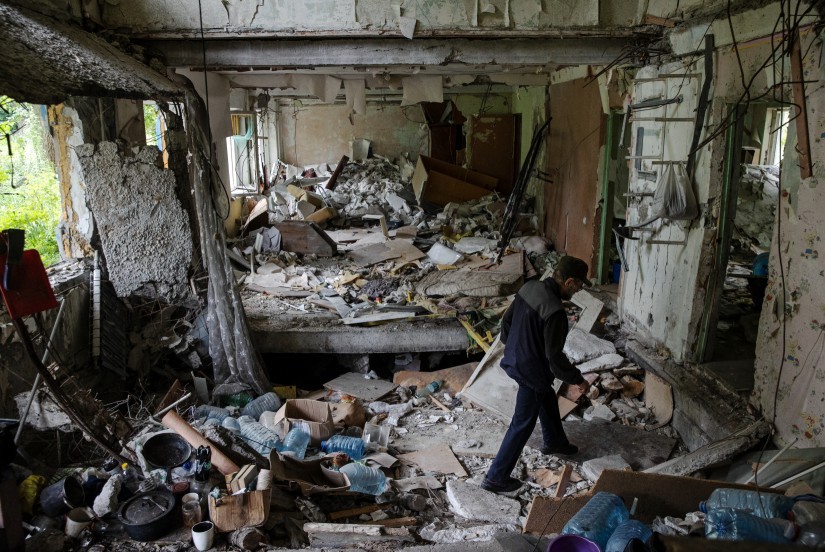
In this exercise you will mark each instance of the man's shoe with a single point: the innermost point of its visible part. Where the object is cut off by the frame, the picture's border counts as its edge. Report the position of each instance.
(563, 450)
(512, 485)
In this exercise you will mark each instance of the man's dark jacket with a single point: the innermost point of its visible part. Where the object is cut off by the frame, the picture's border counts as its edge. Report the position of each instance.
(533, 330)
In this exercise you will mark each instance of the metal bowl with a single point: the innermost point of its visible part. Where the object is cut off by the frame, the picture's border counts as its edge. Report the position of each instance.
(166, 450)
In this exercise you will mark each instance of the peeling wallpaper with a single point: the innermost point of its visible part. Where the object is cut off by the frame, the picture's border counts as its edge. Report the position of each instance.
(799, 304)
(375, 15)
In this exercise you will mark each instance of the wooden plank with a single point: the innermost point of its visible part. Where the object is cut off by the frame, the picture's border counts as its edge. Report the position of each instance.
(802, 138)
(437, 459)
(306, 237)
(336, 173)
(360, 387)
(564, 480)
(352, 512)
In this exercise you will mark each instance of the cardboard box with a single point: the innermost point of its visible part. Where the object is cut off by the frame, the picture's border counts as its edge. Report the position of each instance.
(316, 413)
(307, 476)
(251, 509)
(440, 182)
(659, 495)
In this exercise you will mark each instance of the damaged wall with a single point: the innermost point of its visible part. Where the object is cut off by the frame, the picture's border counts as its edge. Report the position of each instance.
(375, 16)
(576, 134)
(316, 133)
(144, 231)
(793, 355)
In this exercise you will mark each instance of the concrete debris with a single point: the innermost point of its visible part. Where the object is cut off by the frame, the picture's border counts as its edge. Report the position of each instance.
(582, 346)
(106, 502)
(452, 534)
(601, 363)
(472, 502)
(609, 382)
(599, 412)
(592, 469)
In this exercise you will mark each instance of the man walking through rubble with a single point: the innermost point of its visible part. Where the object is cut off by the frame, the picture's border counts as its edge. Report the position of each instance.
(534, 330)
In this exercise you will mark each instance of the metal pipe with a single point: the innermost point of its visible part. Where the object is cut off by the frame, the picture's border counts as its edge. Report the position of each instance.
(797, 476)
(38, 379)
(769, 462)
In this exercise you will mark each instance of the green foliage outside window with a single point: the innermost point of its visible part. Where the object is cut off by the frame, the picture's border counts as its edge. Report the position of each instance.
(29, 191)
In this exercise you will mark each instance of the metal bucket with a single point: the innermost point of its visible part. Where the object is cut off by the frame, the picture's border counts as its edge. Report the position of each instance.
(61, 497)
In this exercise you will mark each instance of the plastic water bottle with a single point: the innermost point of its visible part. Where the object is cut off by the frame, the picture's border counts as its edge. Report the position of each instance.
(430, 389)
(268, 402)
(131, 480)
(626, 532)
(764, 505)
(805, 511)
(213, 414)
(739, 525)
(353, 446)
(231, 424)
(812, 534)
(364, 479)
(296, 441)
(257, 436)
(598, 519)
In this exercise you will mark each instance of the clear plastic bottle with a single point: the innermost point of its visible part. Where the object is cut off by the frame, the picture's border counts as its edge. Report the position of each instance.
(353, 446)
(296, 441)
(131, 479)
(598, 519)
(625, 532)
(431, 388)
(364, 479)
(231, 424)
(739, 525)
(812, 533)
(268, 402)
(212, 414)
(806, 511)
(764, 505)
(257, 436)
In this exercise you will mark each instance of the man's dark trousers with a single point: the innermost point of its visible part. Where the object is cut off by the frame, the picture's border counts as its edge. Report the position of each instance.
(530, 405)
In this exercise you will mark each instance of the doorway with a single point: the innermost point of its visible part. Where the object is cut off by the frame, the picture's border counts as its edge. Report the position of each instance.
(753, 159)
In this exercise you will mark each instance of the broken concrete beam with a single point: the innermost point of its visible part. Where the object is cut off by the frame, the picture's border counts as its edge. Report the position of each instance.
(714, 453)
(592, 469)
(346, 535)
(582, 346)
(472, 502)
(601, 364)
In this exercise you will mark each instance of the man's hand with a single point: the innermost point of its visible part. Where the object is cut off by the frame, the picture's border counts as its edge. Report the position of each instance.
(583, 387)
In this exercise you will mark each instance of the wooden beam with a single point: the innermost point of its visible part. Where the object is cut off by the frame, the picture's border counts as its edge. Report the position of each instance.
(803, 146)
(334, 178)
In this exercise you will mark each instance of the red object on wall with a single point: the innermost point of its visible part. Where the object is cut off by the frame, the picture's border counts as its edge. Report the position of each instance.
(31, 292)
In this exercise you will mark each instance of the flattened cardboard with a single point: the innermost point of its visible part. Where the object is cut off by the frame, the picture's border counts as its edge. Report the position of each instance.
(438, 459)
(315, 413)
(440, 182)
(306, 476)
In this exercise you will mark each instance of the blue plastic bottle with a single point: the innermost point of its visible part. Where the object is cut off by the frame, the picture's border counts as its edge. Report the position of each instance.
(764, 505)
(738, 525)
(364, 479)
(598, 519)
(625, 532)
(353, 446)
(295, 443)
(268, 402)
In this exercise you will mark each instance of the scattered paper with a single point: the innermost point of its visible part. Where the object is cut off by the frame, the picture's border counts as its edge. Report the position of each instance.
(407, 26)
(422, 88)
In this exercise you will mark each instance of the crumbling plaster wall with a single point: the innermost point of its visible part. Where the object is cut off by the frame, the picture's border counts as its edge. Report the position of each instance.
(144, 232)
(790, 366)
(378, 16)
(311, 133)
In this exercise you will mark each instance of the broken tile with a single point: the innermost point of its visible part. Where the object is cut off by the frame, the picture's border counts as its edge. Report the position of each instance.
(472, 502)
(592, 469)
